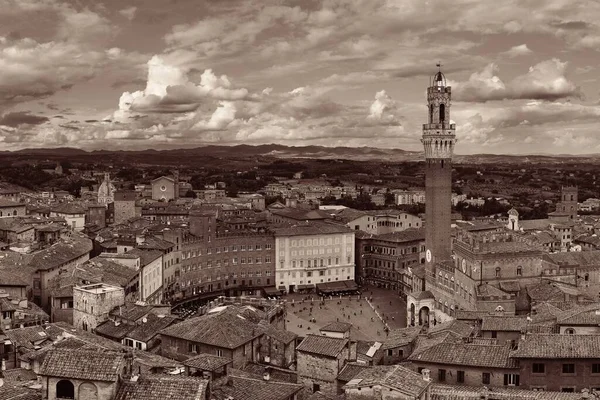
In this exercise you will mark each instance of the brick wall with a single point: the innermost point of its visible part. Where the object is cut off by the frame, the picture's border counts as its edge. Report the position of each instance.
(323, 371)
(473, 376)
(553, 377)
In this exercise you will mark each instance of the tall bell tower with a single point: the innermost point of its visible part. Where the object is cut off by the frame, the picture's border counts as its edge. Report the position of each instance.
(438, 141)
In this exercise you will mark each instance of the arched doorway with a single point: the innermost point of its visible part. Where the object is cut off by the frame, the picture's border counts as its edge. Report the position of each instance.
(88, 391)
(424, 316)
(412, 314)
(65, 390)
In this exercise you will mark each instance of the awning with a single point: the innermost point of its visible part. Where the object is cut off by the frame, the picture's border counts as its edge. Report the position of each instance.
(272, 291)
(301, 287)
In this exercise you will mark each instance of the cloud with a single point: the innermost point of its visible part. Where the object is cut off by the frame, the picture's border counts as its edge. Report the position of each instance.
(15, 119)
(34, 70)
(517, 51)
(128, 12)
(382, 109)
(544, 81)
(169, 90)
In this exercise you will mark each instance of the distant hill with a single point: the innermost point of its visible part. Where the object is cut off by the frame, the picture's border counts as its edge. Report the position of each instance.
(276, 151)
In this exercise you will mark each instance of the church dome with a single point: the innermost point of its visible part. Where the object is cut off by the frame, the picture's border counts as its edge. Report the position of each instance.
(439, 79)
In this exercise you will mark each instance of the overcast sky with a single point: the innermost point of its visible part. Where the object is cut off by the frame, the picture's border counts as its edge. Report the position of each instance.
(132, 74)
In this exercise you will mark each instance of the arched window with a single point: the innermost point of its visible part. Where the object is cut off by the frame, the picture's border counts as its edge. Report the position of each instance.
(65, 390)
(570, 331)
(431, 114)
(442, 113)
(497, 272)
(519, 271)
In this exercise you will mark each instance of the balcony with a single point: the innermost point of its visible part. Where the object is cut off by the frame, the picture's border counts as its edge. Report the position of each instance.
(439, 126)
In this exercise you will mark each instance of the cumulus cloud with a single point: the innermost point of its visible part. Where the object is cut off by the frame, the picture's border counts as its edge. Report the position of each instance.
(517, 51)
(382, 110)
(169, 90)
(544, 81)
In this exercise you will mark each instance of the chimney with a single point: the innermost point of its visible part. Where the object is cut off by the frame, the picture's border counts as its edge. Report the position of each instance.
(229, 381)
(1, 382)
(426, 374)
(352, 350)
(585, 393)
(485, 393)
(267, 374)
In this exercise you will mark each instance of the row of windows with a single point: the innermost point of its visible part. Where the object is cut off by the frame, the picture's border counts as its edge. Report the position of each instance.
(316, 263)
(486, 377)
(315, 242)
(569, 368)
(225, 261)
(310, 273)
(226, 249)
(310, 281)
(199, 289)
(392, 250)
(310, 252)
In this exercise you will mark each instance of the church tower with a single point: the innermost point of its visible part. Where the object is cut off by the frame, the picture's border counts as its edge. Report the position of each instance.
(438, 141)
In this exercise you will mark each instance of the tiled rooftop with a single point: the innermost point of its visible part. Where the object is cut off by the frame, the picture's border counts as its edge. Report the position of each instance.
(83, 364)
(555, 346)
(206, 362)
(392, 376)
(337, 326)
(145, 331)
(475, 355)
(227, 329)
(401, 337)
(163, 387)
(243, 387)
(322, 345)
(504, 323)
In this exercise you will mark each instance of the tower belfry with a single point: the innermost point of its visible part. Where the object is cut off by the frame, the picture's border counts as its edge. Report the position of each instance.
(438, 141)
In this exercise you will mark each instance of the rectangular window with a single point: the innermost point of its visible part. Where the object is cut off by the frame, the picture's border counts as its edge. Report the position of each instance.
(390, 352)
(511, 380)
(442, 375)
(538, 368)
(568, 389)
(460, 376)
(220, 352)
(494, 334)
(568, 368)
(485, 378)
(595, 368)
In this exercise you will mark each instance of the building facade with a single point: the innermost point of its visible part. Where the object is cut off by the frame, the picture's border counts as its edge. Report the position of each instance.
(308, 254)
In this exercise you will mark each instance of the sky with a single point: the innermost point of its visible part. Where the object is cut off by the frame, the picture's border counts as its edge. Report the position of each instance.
(138, 74)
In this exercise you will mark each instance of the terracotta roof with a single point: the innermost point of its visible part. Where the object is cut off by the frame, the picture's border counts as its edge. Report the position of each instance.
(162, 387)
(146, 256)
(555, 346)
(207, 362)
(18, 376)
(10, 392)
(276, 374)
(460, 328)
(401, 337)
(242, 387)
(392, 376)
(322, 345)
(575, 258)
(504, 323)
(337, 326)
(145, 331)
(113, 330)
(278, 334)
(350, 370)
(408, 235)
(61, 253)
(131, 311)
(68, 208)
(454, 392)
(427, 341)
(83, 364)
(348, 214)
(474, 355)
(226, 329)
(310, 228)
(488, 290)
(154, 360)
(587, 315)
(155, 243)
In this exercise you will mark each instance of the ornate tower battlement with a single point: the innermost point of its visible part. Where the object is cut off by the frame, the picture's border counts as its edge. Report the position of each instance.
(438, 134)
